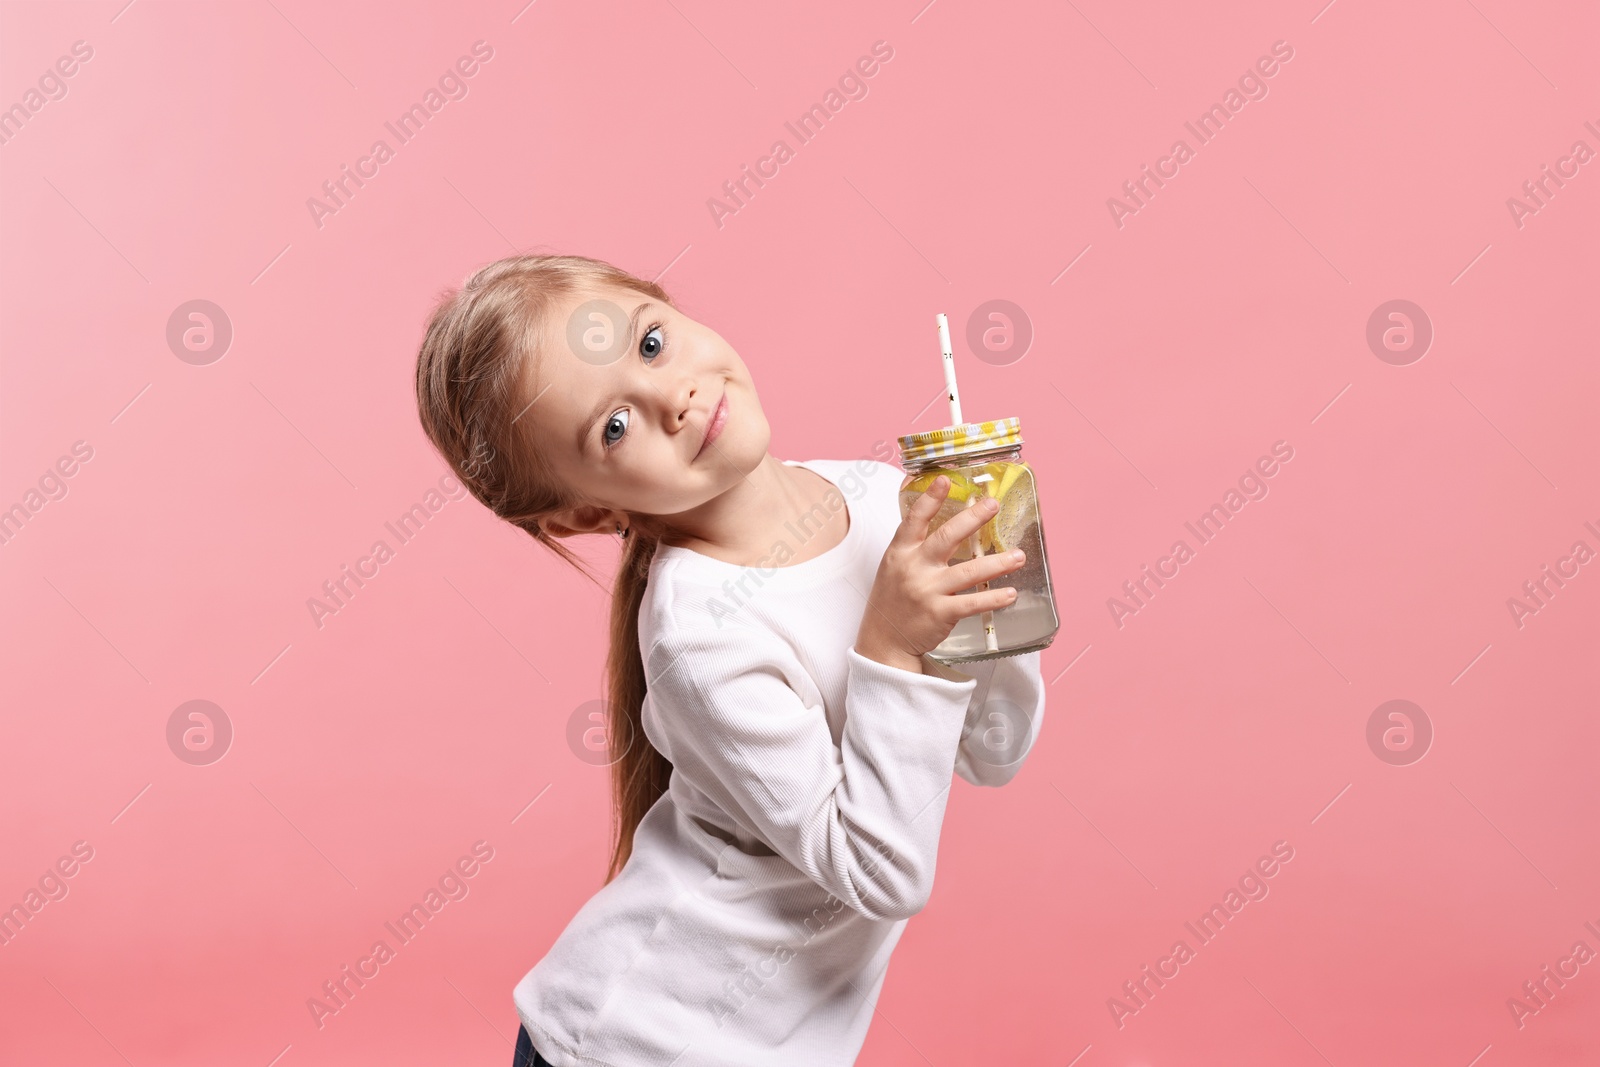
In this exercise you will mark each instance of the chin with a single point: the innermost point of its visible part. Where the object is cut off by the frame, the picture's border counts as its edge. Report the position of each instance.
(753, 431)
(750, 449)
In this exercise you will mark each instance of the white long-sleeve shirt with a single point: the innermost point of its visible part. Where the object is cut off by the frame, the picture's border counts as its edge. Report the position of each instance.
(766, 889)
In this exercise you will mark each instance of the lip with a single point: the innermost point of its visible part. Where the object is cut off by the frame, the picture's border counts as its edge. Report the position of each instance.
(714, 425)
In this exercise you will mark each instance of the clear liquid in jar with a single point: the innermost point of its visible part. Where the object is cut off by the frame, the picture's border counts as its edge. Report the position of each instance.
(1029, 623)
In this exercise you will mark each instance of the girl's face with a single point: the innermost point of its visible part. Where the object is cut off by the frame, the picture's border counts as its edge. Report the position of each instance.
(622, 395)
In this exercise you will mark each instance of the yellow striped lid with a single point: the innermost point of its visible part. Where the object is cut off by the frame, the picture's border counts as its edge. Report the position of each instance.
(963, 440)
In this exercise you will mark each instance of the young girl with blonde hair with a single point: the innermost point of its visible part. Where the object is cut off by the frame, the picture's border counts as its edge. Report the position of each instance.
(781, 743)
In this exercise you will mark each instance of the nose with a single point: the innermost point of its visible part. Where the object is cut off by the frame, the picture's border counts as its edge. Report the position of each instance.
(678, 397)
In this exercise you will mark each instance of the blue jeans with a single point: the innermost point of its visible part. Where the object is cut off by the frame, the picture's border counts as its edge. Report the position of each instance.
(526, 1055)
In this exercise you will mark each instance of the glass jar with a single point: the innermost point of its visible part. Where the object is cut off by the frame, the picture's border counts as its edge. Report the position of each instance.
(985, 459)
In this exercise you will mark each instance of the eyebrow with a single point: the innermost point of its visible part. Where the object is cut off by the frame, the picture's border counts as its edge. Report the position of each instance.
(586, 425)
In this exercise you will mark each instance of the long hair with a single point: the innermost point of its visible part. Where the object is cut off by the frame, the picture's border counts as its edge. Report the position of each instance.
(471, 381)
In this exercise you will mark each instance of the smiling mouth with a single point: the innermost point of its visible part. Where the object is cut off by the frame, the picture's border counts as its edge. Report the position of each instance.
(719, 418)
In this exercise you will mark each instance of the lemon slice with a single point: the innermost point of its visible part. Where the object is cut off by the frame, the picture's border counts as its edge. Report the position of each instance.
(1003, 532)
(961, 487)
(1003, 481)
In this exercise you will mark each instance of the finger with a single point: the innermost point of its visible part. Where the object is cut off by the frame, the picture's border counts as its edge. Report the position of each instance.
(914, 527)
(970, 572)
(960, 526)
(989, 600)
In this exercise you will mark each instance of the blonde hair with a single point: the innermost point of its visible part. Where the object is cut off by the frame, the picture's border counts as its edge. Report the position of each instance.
(471, 371)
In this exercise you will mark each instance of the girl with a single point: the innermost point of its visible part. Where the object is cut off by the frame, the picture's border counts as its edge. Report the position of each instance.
(781, 744)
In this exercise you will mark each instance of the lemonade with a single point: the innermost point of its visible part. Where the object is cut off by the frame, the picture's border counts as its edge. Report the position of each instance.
(1004, 482)
(984, 459)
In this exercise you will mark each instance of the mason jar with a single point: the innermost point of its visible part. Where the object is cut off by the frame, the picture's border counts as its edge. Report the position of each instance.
(984, 459)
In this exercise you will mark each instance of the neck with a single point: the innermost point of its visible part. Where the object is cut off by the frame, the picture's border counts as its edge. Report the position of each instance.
(742, 525)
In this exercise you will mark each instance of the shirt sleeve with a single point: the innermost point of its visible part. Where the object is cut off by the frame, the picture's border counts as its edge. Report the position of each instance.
(1004, 719)
(860, 818)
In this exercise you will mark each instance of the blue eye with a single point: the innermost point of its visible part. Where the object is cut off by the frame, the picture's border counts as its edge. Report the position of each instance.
(647, 347)
(650, 346)
(605, 433)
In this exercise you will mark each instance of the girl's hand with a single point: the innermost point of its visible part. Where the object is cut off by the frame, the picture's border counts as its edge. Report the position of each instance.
(913, 605)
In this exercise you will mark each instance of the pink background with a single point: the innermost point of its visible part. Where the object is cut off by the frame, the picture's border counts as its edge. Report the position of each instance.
(1229, 313)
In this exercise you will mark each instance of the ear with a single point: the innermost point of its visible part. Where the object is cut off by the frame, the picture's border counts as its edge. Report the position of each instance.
(581, 520)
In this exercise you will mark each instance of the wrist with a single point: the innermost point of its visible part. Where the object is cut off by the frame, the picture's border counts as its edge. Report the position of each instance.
(891, 657)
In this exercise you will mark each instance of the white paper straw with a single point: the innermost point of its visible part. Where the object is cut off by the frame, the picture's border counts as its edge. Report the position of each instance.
(949, 369)
(991, 641)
